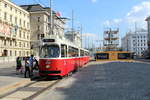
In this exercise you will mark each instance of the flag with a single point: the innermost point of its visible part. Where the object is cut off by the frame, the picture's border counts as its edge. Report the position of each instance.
(58, 14)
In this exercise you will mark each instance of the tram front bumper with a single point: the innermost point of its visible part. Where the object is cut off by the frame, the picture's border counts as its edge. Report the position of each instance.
(49, 72)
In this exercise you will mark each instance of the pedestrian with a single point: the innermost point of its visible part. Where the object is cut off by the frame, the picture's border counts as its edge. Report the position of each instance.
(36, 65)
(27, 68)
(31, 60)
(19, 65)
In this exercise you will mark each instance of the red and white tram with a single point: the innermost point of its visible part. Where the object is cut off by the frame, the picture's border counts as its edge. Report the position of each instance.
(58, 58)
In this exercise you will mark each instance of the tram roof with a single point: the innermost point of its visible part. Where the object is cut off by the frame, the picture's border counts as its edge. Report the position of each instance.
(64, 41)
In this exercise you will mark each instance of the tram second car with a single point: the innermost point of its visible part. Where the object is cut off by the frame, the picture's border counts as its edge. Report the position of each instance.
(59, 59)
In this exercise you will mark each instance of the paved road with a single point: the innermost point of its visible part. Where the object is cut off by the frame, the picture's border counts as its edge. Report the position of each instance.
(111, 81)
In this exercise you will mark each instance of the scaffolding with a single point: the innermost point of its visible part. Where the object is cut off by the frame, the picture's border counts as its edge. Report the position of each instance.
(111, 39)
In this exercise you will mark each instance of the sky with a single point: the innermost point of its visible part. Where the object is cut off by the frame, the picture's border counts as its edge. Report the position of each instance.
(97, 15)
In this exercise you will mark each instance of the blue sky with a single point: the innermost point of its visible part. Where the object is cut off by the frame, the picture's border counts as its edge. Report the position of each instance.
(95, 15)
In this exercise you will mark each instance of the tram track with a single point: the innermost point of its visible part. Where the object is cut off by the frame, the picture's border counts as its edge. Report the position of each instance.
(31, 90)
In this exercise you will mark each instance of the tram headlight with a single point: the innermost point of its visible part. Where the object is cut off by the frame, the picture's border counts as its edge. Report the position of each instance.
(47, 66)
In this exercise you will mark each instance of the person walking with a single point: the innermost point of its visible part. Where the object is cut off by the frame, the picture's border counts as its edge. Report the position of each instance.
(27, 68)
(31, 60)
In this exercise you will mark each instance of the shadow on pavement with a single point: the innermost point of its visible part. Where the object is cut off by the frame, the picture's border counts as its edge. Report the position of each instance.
(112, 81)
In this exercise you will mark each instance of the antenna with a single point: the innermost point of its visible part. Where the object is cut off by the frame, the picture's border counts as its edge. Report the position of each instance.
(135, 27)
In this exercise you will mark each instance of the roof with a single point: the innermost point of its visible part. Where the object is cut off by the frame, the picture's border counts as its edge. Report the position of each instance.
(34, 7)
(147, 19)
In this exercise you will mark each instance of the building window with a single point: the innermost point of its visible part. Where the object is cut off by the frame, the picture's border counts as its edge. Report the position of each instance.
(19, 53)
(24, 34)
(28, 25)
(5, 16)
(15, 53)
(15, 43)
(4, 42)
(20, 34)
(20, 22)
(27, 37)
(38, 27)
(38, 19)
(10, 53)
(11, 8)
(27, 53)
(5, 5)
(10, 18)
(15, 20)
(24, 23)
(19, 44)
(10, 43)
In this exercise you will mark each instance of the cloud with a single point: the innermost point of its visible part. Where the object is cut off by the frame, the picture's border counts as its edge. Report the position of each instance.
(111, 23)
(88, 35)
(117, 21)
(138, 14)
(94, 1)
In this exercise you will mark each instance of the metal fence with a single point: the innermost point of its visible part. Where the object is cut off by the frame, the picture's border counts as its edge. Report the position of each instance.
(7, 59)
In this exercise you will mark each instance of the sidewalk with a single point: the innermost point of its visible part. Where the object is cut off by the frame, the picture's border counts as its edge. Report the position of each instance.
(143, 60)
(9, 81)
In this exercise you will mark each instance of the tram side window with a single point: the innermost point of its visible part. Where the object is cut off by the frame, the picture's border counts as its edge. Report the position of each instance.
(63, 51)
(73, 52)
(81, 53)
(86, 53)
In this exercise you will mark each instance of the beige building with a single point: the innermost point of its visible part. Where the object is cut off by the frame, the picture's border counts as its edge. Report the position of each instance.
(40, 25)
(14, 30)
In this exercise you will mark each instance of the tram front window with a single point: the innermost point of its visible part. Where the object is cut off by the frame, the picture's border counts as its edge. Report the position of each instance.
(50, 51)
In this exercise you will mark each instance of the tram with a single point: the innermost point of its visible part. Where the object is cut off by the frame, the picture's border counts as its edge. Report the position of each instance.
(114, 56)
(60, 58)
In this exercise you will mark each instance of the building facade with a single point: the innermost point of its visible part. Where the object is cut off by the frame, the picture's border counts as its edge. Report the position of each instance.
(14, 30)
(135, 42)
(74, 37)
(148, 27)
(39, 25)
(42, 26)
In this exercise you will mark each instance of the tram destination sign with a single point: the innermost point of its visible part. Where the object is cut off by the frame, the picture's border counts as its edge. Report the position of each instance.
(48, 40)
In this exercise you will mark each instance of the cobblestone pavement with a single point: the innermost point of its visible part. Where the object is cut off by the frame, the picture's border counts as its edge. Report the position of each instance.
(110, 81)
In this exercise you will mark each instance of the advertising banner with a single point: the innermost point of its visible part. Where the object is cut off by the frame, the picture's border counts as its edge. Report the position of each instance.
(4, 29)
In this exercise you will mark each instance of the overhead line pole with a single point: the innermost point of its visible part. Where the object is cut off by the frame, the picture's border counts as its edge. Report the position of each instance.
(81, 34)
(51, 17)
(73, 24)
